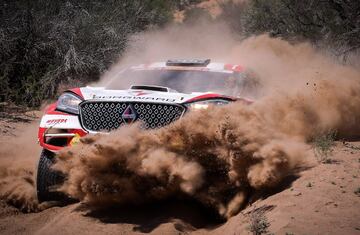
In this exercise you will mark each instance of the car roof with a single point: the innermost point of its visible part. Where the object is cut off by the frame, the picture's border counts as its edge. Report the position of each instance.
(212, 67)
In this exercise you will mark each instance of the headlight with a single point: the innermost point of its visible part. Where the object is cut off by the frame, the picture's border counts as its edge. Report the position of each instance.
(205, 104)
(68, 102)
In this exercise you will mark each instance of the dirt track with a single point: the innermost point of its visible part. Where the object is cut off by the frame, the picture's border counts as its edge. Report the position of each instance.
(321, 201)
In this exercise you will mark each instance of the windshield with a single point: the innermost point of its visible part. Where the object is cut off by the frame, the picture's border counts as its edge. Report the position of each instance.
(181, 81)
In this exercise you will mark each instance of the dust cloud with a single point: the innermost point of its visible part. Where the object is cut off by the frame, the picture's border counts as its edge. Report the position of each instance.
(220, 157)
(202, 40)
(18, 158)
(224, 155)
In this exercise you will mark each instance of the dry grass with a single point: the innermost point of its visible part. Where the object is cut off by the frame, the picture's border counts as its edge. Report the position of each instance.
(259, 224)
(323, 146)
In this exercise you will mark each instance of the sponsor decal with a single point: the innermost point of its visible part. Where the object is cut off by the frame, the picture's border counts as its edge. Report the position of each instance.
(128, 97)
(56, 121)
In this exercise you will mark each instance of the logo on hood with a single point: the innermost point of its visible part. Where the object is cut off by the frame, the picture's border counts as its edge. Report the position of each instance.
(129, 115)
(139, 93)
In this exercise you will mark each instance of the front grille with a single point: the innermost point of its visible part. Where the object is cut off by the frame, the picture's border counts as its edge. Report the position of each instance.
(107, 115)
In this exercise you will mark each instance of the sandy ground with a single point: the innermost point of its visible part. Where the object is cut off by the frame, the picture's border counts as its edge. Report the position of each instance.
(323, 199)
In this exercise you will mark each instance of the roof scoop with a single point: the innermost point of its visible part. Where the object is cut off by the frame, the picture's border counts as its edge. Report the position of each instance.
(191, 62)
(151, 88)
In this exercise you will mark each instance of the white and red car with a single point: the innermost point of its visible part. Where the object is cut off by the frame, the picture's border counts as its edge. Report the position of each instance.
(154, 94)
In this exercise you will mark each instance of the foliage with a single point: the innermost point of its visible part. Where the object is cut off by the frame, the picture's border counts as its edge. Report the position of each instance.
(323, 146)
(47, 43)
(258, 223)
(331, 22)
(183, 4)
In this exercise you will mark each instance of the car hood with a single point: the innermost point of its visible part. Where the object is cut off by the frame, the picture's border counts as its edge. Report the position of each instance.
(99, 93)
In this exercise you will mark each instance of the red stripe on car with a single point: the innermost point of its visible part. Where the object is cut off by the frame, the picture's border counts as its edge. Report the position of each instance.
(51, 109)
(210, 96)
(77, 91)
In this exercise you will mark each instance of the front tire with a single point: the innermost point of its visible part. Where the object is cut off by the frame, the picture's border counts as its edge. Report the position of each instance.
(48, 179)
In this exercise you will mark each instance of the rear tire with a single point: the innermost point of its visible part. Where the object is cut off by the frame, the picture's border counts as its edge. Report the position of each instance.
(48, 179)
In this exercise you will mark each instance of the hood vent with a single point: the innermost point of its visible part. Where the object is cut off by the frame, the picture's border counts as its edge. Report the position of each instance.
(150, 88)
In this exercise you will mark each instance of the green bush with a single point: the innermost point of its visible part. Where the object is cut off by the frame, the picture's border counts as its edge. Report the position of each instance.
(47, 43)
(323, 146)
(334, 23)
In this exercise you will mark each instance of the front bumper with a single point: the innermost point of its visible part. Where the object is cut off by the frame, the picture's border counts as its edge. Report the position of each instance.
(58, 130)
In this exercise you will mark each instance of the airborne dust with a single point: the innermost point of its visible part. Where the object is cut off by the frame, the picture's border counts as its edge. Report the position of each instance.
(17, 163)
(224, 155)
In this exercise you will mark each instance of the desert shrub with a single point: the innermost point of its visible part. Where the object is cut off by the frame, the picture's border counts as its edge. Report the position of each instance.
(259, 224)
(47, 43)
(183, 4)
(323, 145)
(334, 23)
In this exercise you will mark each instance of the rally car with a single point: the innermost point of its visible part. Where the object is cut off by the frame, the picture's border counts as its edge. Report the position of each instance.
(154, 95)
